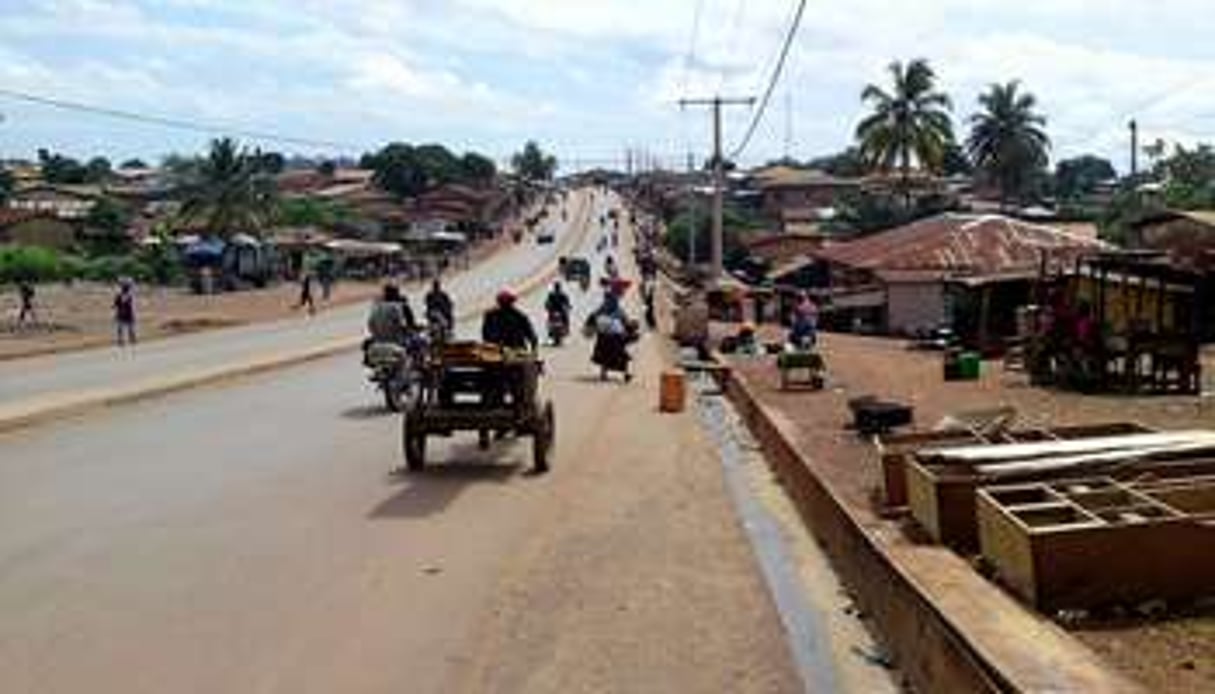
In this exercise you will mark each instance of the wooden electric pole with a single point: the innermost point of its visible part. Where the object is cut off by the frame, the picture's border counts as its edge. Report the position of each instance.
(715, 268)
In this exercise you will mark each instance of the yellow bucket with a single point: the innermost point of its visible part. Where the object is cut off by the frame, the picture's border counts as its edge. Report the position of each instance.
(671, 391)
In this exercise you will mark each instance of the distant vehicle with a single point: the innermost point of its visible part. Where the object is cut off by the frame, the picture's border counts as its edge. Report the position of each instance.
(545, 237)
(576, 269)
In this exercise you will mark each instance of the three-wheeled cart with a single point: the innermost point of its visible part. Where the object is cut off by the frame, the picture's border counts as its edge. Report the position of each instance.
(473, 386)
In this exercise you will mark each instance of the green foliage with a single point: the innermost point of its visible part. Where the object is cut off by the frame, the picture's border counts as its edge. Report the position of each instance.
(30, 264)
(1081, 175)
(532, 164)
(409, 171)
(736, 224)
(955, 161)
(864, 212)
(269, 162)
(59, 169)
(327, 168)
(911, 121)
(1125, 209)
(97, 170)
(135, 163)
(7, 184)
(311, 212)
(1007, 139)
(229, 191)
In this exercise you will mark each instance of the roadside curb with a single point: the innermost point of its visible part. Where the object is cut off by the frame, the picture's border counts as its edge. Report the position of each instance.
(949, 629)
(43, 409)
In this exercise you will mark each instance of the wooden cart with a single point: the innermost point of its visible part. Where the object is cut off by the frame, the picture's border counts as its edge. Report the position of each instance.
(470, 386)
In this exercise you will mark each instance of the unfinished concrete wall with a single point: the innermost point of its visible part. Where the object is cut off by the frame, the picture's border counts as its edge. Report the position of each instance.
(912, 306)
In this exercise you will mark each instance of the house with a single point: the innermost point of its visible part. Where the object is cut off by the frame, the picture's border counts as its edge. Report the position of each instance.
(912, 276)
(797, 196)
(777, 249)
(35, 228)
(1188, 237)
(63, 201)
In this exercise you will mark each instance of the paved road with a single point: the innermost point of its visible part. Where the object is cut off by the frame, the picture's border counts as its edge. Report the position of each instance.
(247, 538)
(55, 375)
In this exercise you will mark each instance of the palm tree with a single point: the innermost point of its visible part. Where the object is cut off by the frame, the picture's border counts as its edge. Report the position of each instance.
(229, 191)
(1007, 138)
(911, 121)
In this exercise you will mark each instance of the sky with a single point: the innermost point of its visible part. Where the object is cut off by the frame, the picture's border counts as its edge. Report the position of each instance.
(588, 80)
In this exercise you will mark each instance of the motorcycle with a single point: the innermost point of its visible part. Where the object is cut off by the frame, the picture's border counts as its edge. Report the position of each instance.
(438, 328)
(558, 327)
(394, 370)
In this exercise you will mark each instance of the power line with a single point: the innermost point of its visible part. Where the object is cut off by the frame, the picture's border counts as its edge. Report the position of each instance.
(690, 57)
(780, 64)
(167, 122)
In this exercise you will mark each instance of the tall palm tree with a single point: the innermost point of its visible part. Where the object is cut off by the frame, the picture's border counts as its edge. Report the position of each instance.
(229, 191)
(1007, 139)
(911, 121)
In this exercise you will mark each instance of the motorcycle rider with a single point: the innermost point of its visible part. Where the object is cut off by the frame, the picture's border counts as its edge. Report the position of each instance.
(557, 304)
(391, 319)
(439, 305)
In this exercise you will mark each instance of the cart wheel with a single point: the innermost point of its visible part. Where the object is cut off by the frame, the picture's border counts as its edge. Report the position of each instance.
(414, 442)
(543, 439)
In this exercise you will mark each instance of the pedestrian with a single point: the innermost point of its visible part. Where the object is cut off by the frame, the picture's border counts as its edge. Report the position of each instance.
(306, 298)
(27, 314)
(326, 273)
(124, 313)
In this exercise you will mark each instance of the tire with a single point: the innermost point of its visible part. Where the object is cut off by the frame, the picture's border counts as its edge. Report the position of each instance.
(414, 444)
(544, 439)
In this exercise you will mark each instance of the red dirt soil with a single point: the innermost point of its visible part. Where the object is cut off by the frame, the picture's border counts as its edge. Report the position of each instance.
(1176, 653)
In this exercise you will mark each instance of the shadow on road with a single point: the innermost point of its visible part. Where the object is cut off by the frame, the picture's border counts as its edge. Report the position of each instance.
(366, 412)
(449, 473)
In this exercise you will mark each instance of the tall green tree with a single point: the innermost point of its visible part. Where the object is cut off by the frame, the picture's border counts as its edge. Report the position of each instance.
(532, 164)
(476, 168)
(909, 123)
(98, 170)
(60, 169)
(1081, 175)
(398, 169)
(229, 191)
(7, 184)
(1008, 140)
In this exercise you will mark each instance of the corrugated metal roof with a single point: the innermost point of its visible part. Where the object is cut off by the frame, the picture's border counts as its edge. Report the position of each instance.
(962, 244)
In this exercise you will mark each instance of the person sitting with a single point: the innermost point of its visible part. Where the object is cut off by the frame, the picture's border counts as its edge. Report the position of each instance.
(508, 327)
(803, 331)
(439, 305)
(613, 332)
(558, 302)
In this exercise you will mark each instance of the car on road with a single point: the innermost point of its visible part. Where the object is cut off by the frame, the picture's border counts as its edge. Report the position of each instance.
(545, 237)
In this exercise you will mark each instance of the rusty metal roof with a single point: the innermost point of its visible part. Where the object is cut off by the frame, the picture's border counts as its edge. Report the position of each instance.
(953, 244)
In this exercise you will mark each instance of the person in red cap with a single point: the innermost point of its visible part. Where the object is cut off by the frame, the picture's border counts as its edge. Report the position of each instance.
(508, 327)
(505, 325)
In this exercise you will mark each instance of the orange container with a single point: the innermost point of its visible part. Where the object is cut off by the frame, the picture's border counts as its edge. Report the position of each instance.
(671, 391)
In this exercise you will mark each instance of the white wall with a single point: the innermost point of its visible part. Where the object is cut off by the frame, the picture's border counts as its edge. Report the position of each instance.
(912, 306)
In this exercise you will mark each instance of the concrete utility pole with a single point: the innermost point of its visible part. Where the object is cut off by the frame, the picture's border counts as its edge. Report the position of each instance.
(716, 103)
(1134, 149)
(691, 211)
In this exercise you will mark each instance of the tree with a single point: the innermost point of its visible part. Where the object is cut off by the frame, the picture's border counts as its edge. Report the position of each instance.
(955, 161)
(909, 122)
(133, 164)
(1081, 175)
(97, 170)
(398, 170)
(7, 184)
(846, 164)
(58, 169)
(269, 162)
(532, 164)
(1007, 139)
(229, 191)
(327, 168)
(108, 221)
(477, 168)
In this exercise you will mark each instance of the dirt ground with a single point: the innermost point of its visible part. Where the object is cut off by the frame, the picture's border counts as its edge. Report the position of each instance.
(80, 316)
(1176, 653)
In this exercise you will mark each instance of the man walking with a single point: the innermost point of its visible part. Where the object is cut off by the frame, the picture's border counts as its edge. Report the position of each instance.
(27, 315)
(306, 298)
(124, 313)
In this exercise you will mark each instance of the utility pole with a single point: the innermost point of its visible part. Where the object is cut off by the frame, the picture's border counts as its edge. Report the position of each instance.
(1134, 149)
(692, 223)
(715, 270)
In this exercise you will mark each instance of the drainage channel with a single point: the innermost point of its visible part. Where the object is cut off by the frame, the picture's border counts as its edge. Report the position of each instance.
(830, 645)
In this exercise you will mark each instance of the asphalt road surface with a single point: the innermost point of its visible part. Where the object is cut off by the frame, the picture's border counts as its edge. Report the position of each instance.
(65, 374)
(248, 537)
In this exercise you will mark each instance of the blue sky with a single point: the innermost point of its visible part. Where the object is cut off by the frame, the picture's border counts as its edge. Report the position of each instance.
(587, 79)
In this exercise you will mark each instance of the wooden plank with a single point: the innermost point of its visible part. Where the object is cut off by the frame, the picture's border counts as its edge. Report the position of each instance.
(1018, 451)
